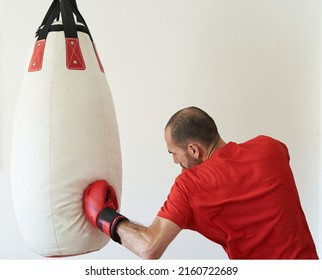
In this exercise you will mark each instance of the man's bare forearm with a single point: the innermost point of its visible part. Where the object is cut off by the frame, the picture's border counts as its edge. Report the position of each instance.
(147, 242)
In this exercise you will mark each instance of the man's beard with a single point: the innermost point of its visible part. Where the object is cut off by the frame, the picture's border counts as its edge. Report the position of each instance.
(191, 162)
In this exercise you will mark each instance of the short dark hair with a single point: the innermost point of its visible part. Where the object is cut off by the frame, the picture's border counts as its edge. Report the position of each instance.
(192, 123)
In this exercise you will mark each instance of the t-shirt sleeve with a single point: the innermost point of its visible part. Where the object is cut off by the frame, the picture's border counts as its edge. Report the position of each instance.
(281, 147)
(176, 208)
(284, 149)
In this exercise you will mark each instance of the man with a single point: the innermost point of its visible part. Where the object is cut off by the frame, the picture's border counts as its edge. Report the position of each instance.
(241, 196)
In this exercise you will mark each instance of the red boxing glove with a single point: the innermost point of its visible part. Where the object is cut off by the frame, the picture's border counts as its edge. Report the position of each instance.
(100, 205)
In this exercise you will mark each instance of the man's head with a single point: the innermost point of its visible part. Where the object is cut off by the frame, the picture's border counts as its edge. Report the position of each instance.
(191, 134)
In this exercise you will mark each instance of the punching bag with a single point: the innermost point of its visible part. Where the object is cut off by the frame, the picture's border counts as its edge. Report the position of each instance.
(65, 136)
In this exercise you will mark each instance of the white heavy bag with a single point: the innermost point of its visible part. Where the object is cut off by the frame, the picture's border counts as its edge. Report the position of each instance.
(65, 137)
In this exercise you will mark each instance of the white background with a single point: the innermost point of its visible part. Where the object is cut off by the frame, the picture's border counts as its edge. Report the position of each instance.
(253, 65)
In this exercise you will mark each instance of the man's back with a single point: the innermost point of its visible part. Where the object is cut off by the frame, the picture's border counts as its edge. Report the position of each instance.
(244, 197)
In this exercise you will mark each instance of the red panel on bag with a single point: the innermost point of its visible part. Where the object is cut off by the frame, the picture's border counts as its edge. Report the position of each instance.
(98, 59)
(74, 57)
(37, 56)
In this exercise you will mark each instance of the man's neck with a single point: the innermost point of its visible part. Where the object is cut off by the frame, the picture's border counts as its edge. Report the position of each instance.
(220, 143)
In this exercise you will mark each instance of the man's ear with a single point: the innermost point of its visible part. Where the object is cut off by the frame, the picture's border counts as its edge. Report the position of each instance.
(194, 150)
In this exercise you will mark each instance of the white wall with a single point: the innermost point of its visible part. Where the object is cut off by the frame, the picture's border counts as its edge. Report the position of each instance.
(254, 65)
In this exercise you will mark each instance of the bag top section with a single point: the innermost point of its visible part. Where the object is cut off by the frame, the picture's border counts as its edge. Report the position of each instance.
(68, 11)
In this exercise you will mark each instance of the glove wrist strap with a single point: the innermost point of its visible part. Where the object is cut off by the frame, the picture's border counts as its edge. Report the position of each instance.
(108, 220)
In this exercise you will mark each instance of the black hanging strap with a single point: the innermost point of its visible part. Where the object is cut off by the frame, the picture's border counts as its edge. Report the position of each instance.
(52, 7)
(68, 19)
(51, 15)
(67, 9)
(79, 17)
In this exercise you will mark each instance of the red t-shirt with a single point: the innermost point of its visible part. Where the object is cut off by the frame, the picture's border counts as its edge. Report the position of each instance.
(244, 198)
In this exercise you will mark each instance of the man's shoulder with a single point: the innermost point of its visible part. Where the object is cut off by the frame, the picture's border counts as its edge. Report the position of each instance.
(263, 139)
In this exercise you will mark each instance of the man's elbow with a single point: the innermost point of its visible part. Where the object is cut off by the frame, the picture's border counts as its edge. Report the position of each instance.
(151, 252)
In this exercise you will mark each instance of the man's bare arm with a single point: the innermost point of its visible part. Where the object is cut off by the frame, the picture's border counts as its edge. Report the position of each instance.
(148, 242)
